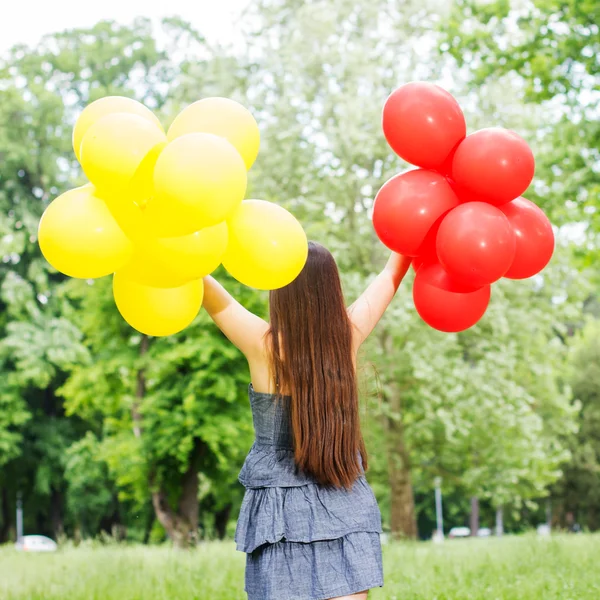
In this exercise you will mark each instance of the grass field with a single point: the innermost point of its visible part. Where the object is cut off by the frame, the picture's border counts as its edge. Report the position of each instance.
(511, 568)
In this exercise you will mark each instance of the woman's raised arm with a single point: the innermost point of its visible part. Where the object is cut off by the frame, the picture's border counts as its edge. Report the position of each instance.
(366, 312)
(243, 328)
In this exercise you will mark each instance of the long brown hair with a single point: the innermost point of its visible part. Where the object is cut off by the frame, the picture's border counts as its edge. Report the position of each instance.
(312, 361)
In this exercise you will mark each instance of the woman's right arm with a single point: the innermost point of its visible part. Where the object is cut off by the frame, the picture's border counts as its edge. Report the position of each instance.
(366, 312)
(243, 328)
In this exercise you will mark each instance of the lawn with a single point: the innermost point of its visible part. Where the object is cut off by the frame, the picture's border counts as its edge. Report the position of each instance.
(511, 568)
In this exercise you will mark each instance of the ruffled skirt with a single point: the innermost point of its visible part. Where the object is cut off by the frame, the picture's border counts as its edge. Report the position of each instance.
(316, 570)
(304, 514)
(304, 541)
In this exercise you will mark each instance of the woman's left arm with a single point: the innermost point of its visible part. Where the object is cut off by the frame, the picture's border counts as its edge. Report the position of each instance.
(244, 329)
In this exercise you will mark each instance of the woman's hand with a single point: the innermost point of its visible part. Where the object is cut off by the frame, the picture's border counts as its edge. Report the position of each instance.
(397, 266)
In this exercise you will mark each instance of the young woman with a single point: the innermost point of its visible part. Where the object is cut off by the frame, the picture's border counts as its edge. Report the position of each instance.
(309, 522)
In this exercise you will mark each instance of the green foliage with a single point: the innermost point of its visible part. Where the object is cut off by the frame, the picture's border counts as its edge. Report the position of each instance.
(579, 490)
(90, 493)
(548, 51)
(13, 415)
(553, 44)
(96, 417)
(195, 391)
(485, 409)
(41, 326)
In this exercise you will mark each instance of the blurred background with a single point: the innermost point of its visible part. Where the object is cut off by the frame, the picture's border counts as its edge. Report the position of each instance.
(109, 435)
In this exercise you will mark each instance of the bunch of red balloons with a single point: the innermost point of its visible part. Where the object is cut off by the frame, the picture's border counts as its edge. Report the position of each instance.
(461, 214)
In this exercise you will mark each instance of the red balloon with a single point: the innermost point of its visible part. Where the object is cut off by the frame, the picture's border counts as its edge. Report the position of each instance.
(446, 167)
(417, 263)
(445, 304)
(495, 163)
(534, 235)
(407, 206)
(423, 123)
(464, 194)
(427, 252)
(476, 243)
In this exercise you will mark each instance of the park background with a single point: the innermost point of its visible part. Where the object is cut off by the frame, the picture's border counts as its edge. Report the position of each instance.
(112, 439)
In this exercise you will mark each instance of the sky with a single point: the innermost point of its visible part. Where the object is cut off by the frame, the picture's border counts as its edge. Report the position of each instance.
(28, 20)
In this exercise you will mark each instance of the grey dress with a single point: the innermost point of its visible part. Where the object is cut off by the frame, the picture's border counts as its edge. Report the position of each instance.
(302, 541)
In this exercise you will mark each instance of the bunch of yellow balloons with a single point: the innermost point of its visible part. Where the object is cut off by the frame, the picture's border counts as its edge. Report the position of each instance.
(163, 210)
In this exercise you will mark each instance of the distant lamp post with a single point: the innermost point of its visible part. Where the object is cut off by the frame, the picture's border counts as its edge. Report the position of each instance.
(499, 521)
(439, 517)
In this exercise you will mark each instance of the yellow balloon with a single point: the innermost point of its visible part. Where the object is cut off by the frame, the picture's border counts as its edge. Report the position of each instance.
(106, 106)
(141, 186)
(127, 204)
(127, 214)
(154, 311)
(267, 246)
(199, 180)
(79, 237)
(145, 269)
(222, 117)
(114, 148)
(171, 262)
(197, 255)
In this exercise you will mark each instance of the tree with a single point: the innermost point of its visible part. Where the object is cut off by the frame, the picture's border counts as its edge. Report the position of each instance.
(324, 156)
(578, 492)
(91, 494)
(548, 51)
(119, 423)
(13, 415)
(169, 408)
(43, 349)
(41, 91)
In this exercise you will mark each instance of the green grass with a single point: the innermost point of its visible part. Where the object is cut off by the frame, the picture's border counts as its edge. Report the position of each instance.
(512, 568)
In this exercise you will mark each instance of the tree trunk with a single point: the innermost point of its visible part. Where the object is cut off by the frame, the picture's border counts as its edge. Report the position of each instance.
(178, 528)
(402, 519)
(140, 391)
(112, 525)
(77, 534)
(474, 521)
(188, 502)
(56, 516)
(221, 520)
(592, 518)
(136, 417)
(148, 526)
(5, 520)
(182, 526)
